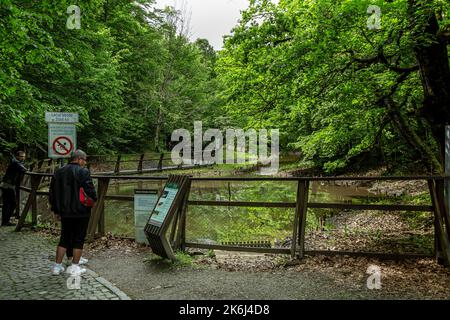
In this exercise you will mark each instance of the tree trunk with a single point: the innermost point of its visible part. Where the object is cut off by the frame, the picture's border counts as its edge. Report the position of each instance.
(402, 125)
(158, 129)
(434, 71)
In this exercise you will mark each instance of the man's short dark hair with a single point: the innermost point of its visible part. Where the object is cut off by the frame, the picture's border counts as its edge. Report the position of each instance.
(20, 153)
(78, 154)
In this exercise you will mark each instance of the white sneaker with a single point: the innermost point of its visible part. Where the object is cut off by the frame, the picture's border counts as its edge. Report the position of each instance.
(82, 261)
(72, 270)
(69, 269)
(57, 269)
(76, 270)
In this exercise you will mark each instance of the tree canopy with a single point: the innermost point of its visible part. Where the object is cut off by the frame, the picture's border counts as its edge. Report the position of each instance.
(341, 92)
(127, 71)
(338, 90)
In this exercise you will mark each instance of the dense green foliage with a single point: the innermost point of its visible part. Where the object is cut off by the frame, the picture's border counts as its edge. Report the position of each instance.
(341, 93)
(338, 91)
(128, 71)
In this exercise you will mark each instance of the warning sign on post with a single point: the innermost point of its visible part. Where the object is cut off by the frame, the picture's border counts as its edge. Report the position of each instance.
(61, 139)
(61, 117)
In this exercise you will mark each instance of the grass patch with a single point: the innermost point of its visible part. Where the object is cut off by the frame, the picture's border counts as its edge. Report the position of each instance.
(210, 253)
(183, 260)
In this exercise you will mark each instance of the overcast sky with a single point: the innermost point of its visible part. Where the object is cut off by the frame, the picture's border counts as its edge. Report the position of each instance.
(210, 19)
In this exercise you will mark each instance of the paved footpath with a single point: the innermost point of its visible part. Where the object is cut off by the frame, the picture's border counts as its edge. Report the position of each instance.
(25, 263)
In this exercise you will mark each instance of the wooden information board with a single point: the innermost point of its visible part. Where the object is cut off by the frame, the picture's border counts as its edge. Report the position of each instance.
(169, 206)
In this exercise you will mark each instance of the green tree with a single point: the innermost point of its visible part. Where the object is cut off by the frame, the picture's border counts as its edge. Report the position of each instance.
(317, 72)
(127, 71)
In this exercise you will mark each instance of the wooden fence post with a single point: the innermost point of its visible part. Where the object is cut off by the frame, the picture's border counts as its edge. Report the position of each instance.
(441, 235)
(97, 211)
(117, 168)
(160, 162)
(26, 182)
(34, 211)
(301, 208)
(440, 192)
(437, 229)
(444, 221)
(17, 195)
(141, 160)
(296, 220)
(35, 182)
(101, 223)
(181, 235)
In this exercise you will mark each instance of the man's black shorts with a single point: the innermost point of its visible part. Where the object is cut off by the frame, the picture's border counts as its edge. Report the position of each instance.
(73, 232)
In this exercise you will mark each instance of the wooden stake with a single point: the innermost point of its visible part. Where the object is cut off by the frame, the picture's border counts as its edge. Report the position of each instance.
(141, 160)
(303, 190)
(117, 168)
(35, 182)
(103, 184)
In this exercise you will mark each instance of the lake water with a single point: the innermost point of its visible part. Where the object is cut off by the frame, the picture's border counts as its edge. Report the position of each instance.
(232, 223)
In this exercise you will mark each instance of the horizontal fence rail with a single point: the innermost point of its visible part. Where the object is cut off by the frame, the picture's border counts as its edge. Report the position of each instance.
(48, 165)
(331, 178)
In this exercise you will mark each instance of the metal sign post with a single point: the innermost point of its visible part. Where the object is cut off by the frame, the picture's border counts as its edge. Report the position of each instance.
(61, 162)
(447, 164)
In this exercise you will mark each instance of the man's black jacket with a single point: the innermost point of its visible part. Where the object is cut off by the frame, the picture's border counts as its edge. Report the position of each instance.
(14, 172)
(65, 191)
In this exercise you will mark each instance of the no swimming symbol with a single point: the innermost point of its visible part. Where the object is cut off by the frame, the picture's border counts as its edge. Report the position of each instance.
(62, 146)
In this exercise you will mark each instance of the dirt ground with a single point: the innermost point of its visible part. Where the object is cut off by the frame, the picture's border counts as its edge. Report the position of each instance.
(226, 275)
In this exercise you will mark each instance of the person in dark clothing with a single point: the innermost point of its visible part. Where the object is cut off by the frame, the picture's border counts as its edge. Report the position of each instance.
(65, 194)
(10, 183)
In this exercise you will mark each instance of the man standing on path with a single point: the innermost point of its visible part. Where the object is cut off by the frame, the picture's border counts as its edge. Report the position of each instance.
(72, 194)
(9, 185)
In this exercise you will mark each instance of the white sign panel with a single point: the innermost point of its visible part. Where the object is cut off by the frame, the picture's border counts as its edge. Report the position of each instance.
(164, 204)
(144, 202)
(61, 117)
(62, 140)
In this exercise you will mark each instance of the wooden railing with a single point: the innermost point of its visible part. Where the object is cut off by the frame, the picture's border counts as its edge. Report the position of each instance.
(438, 206)
(39, 165)
(48, 166)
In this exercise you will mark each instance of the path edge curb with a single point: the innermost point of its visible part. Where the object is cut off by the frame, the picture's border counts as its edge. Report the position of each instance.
(109, 285)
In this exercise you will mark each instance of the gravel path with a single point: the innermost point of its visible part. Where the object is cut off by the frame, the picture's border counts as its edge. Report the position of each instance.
(133, 272)
(152, 280)
(144, 278)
